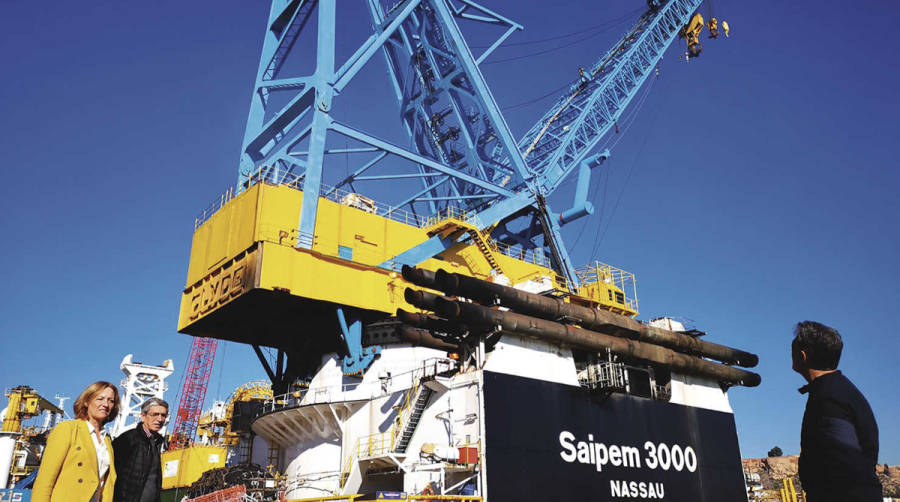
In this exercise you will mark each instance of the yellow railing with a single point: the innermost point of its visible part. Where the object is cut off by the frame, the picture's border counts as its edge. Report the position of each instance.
(348, 498)
(409, 498)
(521, 254)
(450, 213)
(213, 207)
(375, 444)
(601, 272)
(458, 498)
(384, 442)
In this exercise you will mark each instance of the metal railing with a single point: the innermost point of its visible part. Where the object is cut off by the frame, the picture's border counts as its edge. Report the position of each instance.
(517, 252)
(213, 208)
(407, 498)
(450, 213)
(447, 498)
(359, 390)
(382, 443)
(603, 375)
(334, 498)
(339, 196)
(601, 272)
(368, 205)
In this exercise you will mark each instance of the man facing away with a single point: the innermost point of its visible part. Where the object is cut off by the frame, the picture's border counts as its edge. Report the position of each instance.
(137, 456)
(839, 436)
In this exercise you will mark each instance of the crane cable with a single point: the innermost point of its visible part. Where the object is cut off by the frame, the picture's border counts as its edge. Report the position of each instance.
(601, 67)
(565, 35)
(568, 84)
(563, 46)
(221, 368)
(600, 235)
(554, 92)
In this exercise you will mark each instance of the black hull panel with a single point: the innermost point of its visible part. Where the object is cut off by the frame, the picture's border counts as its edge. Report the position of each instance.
(547, 441)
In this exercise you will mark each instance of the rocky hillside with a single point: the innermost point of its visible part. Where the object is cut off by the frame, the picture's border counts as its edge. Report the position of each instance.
(773, 470)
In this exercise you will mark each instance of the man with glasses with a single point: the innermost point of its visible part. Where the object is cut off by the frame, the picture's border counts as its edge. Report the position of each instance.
(137, 456)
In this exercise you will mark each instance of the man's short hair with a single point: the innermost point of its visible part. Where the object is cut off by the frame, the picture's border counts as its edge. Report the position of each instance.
(153, 401)
(821, 343)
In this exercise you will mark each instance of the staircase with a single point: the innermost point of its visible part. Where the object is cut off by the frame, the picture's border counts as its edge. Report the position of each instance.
(486, 249)
(415, 414)
(384, 448)
(456, 220)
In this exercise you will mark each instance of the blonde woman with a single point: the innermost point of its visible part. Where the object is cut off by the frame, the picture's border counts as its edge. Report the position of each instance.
(77, 464)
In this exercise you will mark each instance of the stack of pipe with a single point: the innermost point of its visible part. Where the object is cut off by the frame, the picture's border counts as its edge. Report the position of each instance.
(535, 315)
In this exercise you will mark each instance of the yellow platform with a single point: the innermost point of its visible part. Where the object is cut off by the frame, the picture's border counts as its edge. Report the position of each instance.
(248, 282)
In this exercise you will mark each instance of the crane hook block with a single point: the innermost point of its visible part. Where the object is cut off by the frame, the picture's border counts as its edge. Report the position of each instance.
(713, 25)
(691, 34)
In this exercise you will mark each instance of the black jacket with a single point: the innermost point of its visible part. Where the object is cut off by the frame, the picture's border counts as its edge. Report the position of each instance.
(136, 457)
(838, 443)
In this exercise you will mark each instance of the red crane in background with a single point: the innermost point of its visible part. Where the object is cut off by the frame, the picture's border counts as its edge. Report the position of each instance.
(196, 380)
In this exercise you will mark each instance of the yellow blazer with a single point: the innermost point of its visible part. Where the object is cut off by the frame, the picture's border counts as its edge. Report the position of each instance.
(68, 471)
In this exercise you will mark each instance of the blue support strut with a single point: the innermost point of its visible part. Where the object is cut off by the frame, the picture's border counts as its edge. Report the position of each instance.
(581, 206)
(357, 359)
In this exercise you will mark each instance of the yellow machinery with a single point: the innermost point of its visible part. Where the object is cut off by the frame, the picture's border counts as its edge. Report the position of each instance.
(788, 494)
(691, 34)
(183, 466)
(218, 435)
(249, 283)
(18, 457)
(217, 425)
(25, 403)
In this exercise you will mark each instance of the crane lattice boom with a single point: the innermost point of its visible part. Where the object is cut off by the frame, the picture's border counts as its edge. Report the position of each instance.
(580, 118)
(196, 381)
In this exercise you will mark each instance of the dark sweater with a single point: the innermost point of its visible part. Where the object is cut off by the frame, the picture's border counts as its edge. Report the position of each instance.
(137, 459)
(838, 443)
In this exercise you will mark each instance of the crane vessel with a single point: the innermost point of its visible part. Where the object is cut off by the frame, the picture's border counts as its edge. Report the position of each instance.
(417, 286)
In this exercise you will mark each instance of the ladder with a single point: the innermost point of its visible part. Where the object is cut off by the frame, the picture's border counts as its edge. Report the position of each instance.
(486, 249)
(415, 414)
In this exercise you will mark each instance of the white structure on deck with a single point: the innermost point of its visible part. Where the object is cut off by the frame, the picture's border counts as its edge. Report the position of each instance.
(415, 420)
(141, 382)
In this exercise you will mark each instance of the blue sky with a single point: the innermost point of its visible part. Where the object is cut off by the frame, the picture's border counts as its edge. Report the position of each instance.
(754, 189)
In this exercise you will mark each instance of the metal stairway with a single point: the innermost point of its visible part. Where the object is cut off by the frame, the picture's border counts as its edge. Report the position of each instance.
(415, 414)
(454, 221)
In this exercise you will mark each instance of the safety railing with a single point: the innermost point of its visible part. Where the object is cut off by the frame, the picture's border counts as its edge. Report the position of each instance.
(337, 195)
(213, 208)
(407, 498)
(359, 390)
(372, 206)
(375, 445)
(519, 253)
(382, 443)
(446, 498)
(450, 213)
(232, 494)
(333, 498)
(601, 272)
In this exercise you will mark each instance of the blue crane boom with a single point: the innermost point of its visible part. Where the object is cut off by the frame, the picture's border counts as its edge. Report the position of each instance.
(461, 151)
(569, 130)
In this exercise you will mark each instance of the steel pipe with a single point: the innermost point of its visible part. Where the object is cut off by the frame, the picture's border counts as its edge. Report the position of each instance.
(419, 276)
(602, 321)
(417, 336)
(430, 322)
(421, 299)
(591, 340)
